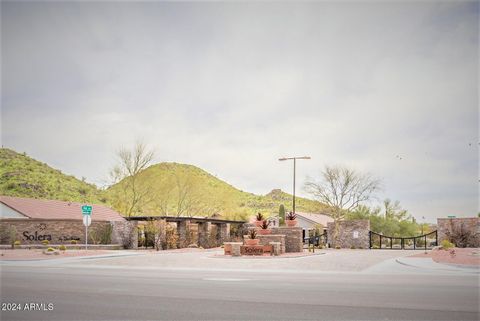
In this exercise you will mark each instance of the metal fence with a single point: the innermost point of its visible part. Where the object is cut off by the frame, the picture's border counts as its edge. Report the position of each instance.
(425, 241)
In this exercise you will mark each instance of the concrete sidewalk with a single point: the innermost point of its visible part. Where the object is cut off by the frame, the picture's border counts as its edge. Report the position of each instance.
(54, 261)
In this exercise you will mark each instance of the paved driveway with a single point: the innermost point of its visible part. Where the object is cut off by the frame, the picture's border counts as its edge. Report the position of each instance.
(324, 260)
(201, 285)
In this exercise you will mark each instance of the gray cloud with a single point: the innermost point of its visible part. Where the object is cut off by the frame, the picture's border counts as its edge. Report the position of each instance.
(230, 87)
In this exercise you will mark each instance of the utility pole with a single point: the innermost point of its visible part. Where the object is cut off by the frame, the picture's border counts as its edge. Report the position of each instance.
(294, 171)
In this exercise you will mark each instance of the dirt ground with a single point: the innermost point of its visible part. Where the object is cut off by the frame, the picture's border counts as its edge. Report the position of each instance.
(468, 256)
(37, 254)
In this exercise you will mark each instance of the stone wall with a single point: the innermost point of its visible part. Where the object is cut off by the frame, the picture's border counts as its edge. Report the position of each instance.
(34, 231)
(448, 228)
(354, 233)
(266, 239)
(125, 233)
(293, 238)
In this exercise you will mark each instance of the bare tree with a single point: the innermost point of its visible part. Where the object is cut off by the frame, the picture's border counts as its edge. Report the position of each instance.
(343, 190)
(126, 174)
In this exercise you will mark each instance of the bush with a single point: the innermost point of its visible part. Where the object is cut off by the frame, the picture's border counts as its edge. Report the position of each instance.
(62, 248)
(337, 247)
(141, 241)
(8, 234)
(106, 234)
(17, 243)
(461, 236)
(171, 237)
(352, 247)
(73, 242)
(446, 244)
(45, 242)
(50, 249)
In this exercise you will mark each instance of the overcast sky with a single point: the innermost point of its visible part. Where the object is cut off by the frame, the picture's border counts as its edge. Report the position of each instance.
(390, 89)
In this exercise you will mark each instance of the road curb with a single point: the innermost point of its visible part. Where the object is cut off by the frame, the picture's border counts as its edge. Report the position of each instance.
(428, 263)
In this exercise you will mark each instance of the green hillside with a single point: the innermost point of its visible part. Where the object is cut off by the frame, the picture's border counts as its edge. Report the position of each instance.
(169, 189)
(179, 189)
(23, 176)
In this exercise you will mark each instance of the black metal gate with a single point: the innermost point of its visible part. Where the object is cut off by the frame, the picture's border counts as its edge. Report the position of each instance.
(425, 241)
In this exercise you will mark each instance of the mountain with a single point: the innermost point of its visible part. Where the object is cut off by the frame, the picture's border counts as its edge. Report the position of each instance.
(179, 189)
(170, 189)
(23, 176)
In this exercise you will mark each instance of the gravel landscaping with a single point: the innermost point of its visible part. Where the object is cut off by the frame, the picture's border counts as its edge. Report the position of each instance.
(460, 256)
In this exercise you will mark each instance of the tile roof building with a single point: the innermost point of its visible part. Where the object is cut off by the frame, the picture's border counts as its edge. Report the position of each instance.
(29, 208)
(308, 220)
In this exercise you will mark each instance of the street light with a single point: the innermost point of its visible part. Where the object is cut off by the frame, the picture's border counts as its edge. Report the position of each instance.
(294, 168)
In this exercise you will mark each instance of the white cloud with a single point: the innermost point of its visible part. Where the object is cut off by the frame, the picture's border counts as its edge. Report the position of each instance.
(231, 87)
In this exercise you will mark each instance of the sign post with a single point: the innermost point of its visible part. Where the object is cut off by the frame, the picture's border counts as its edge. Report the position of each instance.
(87, 220)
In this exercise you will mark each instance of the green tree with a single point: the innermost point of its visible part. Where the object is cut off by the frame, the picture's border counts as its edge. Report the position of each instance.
(390, 219)
(342, 189)
(126, 173)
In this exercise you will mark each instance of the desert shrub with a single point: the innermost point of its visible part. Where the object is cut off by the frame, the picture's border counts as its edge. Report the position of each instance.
(50, 249)
(462, 237)
(106, 234)
(17, 243)
(45, 242)
(62, 248)
(8, 235)
(338, 247)
(73, 242)
(352, 247)
(318, 229)
(446, 244)
(141, 241)
(171, 237)
(5, 237)
(13, 234)
(154, 232)
(212, 239)
(101, 234)
(94, 236)
(238, 231)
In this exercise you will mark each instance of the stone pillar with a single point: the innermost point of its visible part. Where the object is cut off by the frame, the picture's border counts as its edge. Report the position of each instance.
(125, 233)
(354, 233)
(223, 232)
(276, 248)
(182, 230)
(161, 237)
(204, 234)
(236, 248)
(293, 238)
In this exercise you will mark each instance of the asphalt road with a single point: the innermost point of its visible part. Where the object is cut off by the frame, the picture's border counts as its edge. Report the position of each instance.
(117, 293)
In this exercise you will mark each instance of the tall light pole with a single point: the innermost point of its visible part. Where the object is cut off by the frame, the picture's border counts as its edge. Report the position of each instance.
(294, 168)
